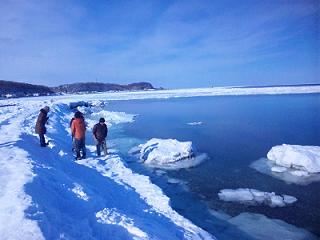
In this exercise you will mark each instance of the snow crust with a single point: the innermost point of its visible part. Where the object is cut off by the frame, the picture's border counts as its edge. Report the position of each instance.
(112, 216)
(168, 154)
(78, 190)
(255, 197)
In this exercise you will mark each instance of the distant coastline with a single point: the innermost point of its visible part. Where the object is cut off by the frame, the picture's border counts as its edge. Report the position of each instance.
(11, 89)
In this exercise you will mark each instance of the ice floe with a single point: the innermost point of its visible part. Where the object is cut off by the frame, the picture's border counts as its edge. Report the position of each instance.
(260, 227)
(255, 197)
(303, 158)
(168, 154)
(112, 216)
(291, 163)
(194, 123)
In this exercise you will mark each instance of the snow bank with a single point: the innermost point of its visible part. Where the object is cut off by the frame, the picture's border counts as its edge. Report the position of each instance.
(255, 197)
(112, 216)
(168, 154)
(303, 158)
(291, 163)
(114, 168)
(15, 172)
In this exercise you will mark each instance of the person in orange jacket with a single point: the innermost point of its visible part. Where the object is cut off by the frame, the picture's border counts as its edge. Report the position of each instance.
(78, 131)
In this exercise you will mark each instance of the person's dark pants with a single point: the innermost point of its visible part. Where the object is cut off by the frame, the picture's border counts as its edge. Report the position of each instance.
(42, 140)
(80, 146)
(102, 146)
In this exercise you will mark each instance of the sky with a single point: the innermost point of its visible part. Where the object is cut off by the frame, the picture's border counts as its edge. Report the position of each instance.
(171, 44)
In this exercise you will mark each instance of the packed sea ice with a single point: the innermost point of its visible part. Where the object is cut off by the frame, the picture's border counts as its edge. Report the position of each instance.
(255, 197)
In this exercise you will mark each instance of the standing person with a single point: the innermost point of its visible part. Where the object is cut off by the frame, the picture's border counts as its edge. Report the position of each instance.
(78, 132)
(72, 139)
(100, 132)
(40, 125)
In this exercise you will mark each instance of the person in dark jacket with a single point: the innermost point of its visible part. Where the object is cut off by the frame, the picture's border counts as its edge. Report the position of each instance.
(78, 132)
(100, 132)
(40, 125)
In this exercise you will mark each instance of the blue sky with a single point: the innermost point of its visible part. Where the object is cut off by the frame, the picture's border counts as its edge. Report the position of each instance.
(173, 44)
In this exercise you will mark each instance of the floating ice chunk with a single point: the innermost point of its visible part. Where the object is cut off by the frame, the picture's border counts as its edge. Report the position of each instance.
(255, 197)
(289, 199)
(239, 195)
(290, 175)
(305, 158)
(260, 227)
(169, 154)
(291, 163)
(175, 181)
(112, 216)
(165, 151)
(194, 123)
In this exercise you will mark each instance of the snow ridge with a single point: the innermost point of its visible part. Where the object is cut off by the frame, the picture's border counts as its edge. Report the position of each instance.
(114, 168)
(15, 172)
(112, 216)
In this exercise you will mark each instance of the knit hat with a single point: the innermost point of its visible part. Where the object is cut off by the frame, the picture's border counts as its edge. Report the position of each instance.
(46, 108)
(102, 120)
(78, 114)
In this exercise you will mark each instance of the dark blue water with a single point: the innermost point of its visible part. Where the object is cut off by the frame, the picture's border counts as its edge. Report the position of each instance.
(236, 131)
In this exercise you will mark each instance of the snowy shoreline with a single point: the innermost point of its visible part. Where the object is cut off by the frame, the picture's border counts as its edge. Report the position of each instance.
(21, 117)
(177, 93)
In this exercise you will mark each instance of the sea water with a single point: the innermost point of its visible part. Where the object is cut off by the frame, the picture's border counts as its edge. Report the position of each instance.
(233, 131)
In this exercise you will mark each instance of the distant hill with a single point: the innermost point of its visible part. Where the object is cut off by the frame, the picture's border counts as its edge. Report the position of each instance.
(19, 89)
(101, 87)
